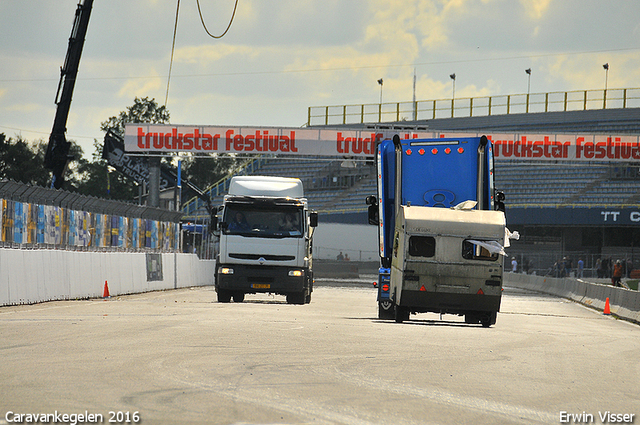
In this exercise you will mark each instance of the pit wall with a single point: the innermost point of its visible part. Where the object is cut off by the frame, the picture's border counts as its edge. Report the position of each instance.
(32, 276)
(623, 303)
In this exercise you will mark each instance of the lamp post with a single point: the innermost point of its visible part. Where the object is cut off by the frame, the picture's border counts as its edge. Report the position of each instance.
(380, 81)
(528, 71)
(453, 93)
(606, 81)
(453, 79)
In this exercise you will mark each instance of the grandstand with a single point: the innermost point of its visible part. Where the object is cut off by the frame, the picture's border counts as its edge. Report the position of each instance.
(556, 206)
(560, 208)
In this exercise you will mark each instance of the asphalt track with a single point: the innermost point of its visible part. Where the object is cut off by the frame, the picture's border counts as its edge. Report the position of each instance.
(180, 357)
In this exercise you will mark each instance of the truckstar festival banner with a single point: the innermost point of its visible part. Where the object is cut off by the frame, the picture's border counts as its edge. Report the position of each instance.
(166, 138)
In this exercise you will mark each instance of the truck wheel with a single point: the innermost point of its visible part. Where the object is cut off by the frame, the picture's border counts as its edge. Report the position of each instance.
(385, 310)
(307, 299)
(296, 298)
(401, 314)
(224, 296)
(489, 319)
(238, 297)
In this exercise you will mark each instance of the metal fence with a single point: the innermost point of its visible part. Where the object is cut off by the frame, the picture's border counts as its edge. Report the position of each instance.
(34, 217)
(579, 100)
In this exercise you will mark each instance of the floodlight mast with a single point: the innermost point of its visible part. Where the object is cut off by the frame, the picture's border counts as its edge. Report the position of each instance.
(57, 156)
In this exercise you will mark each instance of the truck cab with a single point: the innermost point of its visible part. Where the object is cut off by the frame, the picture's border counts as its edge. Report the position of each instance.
(266, 234)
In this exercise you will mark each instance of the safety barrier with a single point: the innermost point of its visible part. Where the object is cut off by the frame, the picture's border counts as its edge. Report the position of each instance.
(32, 276)
(623, 303)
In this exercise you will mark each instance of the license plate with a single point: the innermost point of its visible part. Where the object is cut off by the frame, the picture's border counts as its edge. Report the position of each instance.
(261, 286)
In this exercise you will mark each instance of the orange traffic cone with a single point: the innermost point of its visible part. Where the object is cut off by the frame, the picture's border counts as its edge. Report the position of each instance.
(105, 293)
(607, 309)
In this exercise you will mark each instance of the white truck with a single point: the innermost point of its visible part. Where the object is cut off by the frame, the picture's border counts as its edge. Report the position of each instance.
(266, 234)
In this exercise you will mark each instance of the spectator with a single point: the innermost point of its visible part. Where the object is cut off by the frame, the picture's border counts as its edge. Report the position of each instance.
(580, 268)
(599, 271)
(617, 274)
(514, 265)
(340, 257)
(346, 257)
(567, 266)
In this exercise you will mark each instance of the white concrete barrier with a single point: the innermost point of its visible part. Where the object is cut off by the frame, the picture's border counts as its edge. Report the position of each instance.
(622, 302)
(32, 276)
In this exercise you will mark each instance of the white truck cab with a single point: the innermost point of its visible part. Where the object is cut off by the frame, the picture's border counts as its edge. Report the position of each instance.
(266, 233)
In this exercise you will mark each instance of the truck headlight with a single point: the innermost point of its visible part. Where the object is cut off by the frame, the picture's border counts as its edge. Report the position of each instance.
(225, 270)
(295, 273)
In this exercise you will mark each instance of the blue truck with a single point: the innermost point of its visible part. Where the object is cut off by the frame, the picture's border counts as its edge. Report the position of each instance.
(442, 229)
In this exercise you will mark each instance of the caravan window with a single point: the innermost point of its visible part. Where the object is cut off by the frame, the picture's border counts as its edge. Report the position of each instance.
(422, 246)
(471, 251)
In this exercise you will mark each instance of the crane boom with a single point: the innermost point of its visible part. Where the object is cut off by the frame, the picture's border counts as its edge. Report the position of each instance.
(57, 155)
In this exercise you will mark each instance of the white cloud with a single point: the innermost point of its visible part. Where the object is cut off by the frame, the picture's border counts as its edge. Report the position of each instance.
(536, 9)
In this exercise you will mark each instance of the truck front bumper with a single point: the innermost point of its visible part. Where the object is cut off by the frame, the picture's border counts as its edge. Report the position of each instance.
(262, 279)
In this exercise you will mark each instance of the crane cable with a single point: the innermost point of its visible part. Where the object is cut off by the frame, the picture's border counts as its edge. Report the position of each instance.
(173, 45)
(205, 26)
(175, 30)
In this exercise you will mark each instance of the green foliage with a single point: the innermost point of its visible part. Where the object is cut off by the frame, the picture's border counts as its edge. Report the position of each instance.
(143, 110)
(205, 171)
(21, 162)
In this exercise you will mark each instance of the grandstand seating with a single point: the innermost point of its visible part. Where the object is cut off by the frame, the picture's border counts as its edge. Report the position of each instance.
(332, 189)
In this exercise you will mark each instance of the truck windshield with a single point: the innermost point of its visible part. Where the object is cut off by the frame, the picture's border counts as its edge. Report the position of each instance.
(269, 222)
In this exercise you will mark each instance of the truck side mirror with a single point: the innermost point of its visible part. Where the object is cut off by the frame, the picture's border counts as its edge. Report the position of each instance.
(499, 201)
(372, 211)
(313, 219)
(214, 225)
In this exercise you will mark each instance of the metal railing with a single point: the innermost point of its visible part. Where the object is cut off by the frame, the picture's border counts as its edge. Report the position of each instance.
(578, 100)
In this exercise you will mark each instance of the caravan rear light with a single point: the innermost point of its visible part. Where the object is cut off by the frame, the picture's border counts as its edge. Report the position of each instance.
(295, 273)
(226, 270)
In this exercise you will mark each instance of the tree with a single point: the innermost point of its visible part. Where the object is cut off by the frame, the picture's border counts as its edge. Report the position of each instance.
(143, 110)
(205, 171)
(100, 180)
(21, 162)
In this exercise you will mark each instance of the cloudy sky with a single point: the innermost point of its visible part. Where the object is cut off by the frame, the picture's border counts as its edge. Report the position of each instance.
(282, 56)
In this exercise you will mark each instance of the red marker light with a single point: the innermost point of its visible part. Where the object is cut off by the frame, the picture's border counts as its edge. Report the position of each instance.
(434, 151)
(480, 292)
(447, 151)
(385, 287)
(421, 151)
(422, 288)
(408, 152)
(460, 150)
